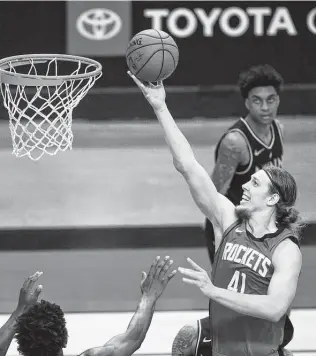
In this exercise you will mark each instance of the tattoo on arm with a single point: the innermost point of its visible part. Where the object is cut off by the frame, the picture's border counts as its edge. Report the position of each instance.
(229, 157)
(185, 341)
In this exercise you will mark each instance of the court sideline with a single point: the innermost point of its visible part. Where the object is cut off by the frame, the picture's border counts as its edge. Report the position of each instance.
(87, 330)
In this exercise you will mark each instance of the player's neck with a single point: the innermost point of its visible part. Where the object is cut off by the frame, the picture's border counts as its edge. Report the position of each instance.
(261, 223)
(259, 129)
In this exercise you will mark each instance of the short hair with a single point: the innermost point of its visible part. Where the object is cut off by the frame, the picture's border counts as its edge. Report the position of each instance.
(284, 184)
(262, 75)
(41, 331)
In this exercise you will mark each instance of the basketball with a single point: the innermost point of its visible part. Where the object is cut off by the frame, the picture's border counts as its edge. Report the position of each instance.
(152, 55)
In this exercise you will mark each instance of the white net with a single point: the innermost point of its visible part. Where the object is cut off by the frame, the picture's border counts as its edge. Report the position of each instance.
(40, 117)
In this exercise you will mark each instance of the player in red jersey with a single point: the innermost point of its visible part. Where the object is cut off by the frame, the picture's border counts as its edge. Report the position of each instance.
(246, 146)
(254, 278)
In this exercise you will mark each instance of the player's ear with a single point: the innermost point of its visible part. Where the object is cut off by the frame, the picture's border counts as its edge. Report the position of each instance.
(273, 199)
(247, 103)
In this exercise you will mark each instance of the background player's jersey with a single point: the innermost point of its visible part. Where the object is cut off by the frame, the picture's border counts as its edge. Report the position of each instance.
(243, 264)
(260, 155)
(204, 343)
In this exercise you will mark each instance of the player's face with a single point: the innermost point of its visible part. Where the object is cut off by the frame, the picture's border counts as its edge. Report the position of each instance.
(256, 193)
(263, 104)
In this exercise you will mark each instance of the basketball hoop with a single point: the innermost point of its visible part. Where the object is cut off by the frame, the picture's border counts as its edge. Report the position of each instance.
(40, 92)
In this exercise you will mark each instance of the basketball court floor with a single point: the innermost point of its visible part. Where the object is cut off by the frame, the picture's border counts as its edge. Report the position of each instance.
(89, 330)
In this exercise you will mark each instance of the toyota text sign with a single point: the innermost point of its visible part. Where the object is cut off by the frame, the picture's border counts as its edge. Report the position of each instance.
(98, 28)
(218, 39)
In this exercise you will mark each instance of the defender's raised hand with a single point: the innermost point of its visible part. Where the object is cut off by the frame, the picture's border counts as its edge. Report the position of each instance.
(27, 298)
(155, 94)
(153, 284)
(28, 295)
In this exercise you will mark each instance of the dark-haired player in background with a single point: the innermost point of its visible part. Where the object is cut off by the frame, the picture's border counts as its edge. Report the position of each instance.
(251, 142)
(40, 327)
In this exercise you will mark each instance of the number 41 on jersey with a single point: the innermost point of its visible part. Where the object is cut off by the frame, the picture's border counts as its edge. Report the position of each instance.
(238, 282)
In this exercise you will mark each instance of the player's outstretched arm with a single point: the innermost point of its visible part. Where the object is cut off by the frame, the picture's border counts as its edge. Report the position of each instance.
(212, 204)
(28, 297)
(152, 286)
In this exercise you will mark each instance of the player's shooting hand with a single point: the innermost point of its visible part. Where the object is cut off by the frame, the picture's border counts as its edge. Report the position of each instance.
(199, 277)
(28, 294)
(155, 94)
(153, 284)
